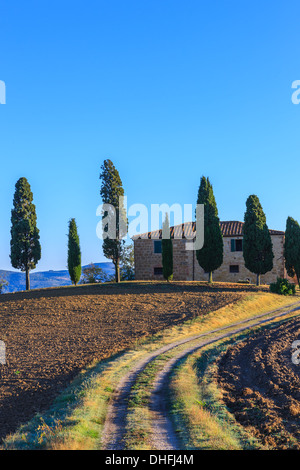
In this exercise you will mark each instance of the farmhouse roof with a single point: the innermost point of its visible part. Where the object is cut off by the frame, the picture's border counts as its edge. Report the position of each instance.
(230, 228)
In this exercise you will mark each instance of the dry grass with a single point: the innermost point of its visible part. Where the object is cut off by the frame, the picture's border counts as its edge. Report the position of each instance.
(294, 409)
(203, 423)
(247, 307)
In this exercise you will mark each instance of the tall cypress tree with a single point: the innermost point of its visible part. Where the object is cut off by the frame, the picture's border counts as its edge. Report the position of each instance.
(292, 248)
(25, 248)
(74, 253)
(111, 191)
(257, 242)
(210, 257)
(167, 250)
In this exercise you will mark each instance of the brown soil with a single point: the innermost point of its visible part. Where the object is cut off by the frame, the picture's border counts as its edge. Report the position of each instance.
(52, 334)
(262, 385)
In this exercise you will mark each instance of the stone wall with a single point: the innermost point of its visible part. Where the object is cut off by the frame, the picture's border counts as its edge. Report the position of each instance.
(186, 266)
(146, 260)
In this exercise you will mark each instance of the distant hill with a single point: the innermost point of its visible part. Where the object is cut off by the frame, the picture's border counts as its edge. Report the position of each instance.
(16, 280)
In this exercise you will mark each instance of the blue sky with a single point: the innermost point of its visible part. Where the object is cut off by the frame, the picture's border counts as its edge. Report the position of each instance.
(168, 90)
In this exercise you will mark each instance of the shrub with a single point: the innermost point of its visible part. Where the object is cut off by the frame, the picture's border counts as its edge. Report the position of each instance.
(3, 283)
(282, 287)
(93, 274)
(127, 263)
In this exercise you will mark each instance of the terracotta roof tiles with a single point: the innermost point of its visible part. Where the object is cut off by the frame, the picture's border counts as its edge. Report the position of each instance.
(230, 228)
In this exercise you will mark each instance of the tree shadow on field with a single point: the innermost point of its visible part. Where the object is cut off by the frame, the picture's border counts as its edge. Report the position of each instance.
(20, 407)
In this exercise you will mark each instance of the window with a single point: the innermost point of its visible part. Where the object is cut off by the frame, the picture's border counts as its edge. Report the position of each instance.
(157, 246)
(236, 245)
(158, 271)
(234, 268)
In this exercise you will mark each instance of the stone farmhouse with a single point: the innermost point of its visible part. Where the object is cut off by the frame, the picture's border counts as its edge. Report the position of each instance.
(148, 260)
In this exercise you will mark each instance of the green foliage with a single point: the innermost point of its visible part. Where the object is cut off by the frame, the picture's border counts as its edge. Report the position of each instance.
(210, 257)
(282, 287)
(292, 248)
(3, 283)
(167, 250)
(93, 274)
(25, 248)
(257, 243)
(127, 263)
(111, 191)
(74, 253)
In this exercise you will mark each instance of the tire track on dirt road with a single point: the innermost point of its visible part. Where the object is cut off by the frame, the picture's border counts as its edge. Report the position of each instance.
(163, 435)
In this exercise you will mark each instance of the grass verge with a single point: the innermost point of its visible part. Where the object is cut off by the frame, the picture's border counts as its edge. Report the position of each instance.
(202, 421)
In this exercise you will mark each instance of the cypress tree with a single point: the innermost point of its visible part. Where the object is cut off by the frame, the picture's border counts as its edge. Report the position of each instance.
(292, 248)
(74, 253)
(25, 248)
(167, 250)
(111, 191)
(210, 257)
(257, 242)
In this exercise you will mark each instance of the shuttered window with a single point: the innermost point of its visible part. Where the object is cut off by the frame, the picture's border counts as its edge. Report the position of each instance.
(236, 244)
(239, 245)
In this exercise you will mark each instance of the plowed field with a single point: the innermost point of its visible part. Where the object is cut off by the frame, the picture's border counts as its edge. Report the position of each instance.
(261, 385)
